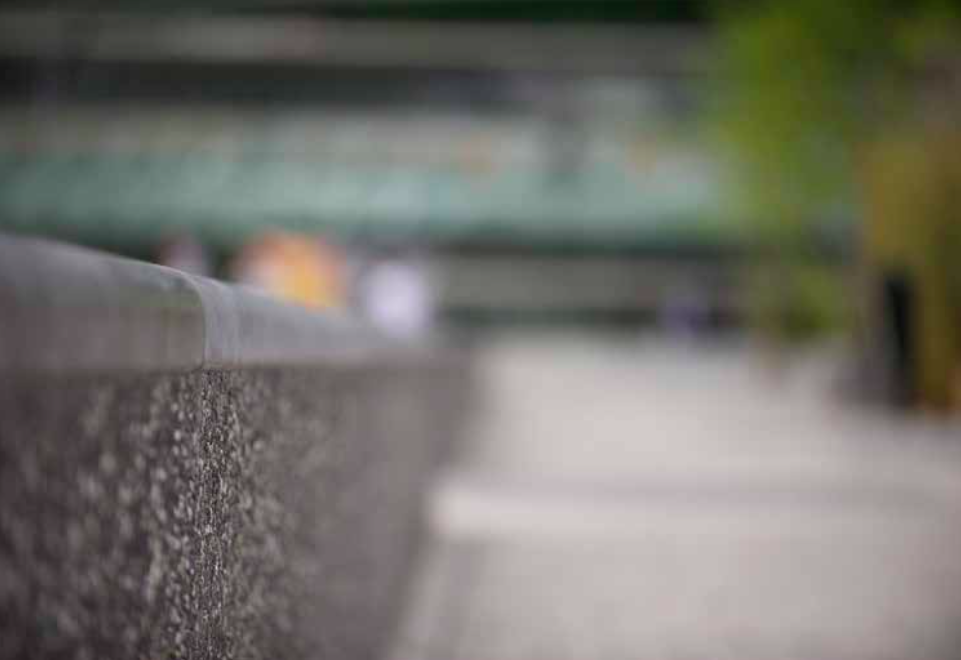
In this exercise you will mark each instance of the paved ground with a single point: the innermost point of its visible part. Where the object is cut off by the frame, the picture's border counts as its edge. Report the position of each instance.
(637, 500)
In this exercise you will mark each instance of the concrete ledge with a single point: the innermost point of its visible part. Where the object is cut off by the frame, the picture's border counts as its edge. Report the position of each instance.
(187, 471)
(65, 307)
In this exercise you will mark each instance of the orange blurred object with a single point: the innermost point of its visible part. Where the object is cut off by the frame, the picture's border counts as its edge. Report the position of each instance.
(301, 269)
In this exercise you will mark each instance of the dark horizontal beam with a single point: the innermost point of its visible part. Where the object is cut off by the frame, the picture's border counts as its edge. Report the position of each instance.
(313, 43)
(261, 84)
(543, 11)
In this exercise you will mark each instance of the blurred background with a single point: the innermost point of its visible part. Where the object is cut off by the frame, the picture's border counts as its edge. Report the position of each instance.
(684, 165)
(707, 256)
(509, 161)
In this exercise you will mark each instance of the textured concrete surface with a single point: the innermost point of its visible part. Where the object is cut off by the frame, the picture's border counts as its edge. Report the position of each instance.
(215, 514)
(643, 500)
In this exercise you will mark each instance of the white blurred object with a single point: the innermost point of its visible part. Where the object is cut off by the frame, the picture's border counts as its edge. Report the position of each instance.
(398, 298)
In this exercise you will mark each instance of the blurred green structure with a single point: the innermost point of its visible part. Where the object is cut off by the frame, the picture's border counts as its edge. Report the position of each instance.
(227, 176)
(121, 129)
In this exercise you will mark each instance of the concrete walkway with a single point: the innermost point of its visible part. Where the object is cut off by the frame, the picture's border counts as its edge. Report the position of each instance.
(638, 500)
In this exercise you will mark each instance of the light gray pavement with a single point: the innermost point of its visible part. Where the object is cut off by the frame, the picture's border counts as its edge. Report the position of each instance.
(641, 500)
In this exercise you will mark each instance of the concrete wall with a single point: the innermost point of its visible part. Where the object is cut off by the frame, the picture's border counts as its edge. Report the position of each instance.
(255, 508)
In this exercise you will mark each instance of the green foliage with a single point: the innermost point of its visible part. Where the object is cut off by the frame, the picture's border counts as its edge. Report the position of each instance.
(796, 300)
(791, 104)
(801, 87)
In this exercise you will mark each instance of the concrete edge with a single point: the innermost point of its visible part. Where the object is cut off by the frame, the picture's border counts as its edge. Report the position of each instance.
(63, 308)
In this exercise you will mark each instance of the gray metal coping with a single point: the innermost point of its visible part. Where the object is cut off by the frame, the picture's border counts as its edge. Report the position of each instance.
(63, 308)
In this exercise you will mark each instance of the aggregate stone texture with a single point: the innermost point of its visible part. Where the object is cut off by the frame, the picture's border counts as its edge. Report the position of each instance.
(210, 514)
